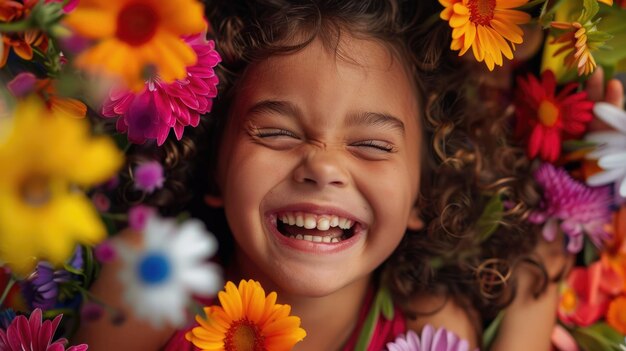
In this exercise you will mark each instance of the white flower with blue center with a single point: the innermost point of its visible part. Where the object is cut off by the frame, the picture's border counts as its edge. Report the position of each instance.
(611, 152)
(172, 264)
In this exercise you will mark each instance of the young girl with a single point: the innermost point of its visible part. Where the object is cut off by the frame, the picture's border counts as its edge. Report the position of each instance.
(343, 154)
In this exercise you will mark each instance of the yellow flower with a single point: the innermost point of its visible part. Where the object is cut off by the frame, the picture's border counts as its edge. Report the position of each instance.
(137, 36)
(45, 158)
(489, 27)
(247, 321)
(575, 42)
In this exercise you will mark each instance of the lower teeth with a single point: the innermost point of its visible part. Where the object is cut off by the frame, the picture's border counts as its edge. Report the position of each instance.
(316, 238)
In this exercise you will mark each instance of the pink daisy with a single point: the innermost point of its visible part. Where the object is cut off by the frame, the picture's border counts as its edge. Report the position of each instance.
(151, 113)
(34, 335)
(578, 208)
(430, 340)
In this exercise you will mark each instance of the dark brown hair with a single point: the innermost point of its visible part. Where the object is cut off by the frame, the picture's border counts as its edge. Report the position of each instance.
(468, 159)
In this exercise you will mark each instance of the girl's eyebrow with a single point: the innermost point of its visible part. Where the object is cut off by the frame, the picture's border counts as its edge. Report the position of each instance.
(286, 108)
(376, 119)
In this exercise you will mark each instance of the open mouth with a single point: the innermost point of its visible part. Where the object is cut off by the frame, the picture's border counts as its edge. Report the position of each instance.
(314, 227)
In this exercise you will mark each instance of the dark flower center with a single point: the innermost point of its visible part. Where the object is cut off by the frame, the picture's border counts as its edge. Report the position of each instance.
(481, 11)
(244, 335)
(136, 24)
(35, 190)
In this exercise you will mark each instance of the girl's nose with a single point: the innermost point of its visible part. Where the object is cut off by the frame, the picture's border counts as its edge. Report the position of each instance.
(322, 168)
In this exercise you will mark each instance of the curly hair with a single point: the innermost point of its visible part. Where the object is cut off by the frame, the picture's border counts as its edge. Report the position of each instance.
(467, 161)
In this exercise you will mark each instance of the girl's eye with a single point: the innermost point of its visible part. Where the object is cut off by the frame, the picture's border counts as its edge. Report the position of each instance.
(265, 133)
(375, 145)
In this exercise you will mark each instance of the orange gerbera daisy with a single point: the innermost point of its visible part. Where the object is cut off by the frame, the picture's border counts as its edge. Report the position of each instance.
(136, 37)
(489, 27)
(616, 316)
(22, 43)
(247, 321)
(574, 41)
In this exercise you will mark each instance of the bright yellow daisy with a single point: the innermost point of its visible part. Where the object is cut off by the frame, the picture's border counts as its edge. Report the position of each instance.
(247, 321)
(136, 37)
(46, 159)
(489, 27)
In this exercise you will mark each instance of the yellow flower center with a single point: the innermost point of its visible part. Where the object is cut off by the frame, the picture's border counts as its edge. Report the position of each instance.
(35, 191)
(481, 11)
(244, 335)
(568, 300)
(548, 113)
(136, 24)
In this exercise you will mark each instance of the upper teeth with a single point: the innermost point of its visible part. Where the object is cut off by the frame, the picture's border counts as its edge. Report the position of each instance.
(313, 221)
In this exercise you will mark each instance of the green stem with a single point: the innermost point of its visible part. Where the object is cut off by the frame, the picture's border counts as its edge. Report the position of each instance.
(531, 4)
(14, 27)
(7, 288)
(122, 217)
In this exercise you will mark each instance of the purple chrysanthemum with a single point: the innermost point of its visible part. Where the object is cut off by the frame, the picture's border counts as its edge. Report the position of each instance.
(430, 340)
(41, 289)
(151, 113)
(578, 208)
(34, 335)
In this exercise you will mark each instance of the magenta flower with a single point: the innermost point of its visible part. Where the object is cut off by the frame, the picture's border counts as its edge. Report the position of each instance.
(34, 335)
(149, 176)
(579, 209)
(430, 340)
(150, 114)
(138, 216)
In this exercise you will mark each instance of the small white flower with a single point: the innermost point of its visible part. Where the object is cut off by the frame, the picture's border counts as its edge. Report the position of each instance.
(611, 153)
(160, 277)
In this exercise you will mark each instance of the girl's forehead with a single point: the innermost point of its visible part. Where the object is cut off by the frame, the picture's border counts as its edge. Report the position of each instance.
(350, 61)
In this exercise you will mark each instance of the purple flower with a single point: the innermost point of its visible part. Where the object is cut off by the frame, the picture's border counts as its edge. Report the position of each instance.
(105, 252)
(41, 288)
(150, 114)
(34, 335)
(430, 340)
(138, 216)
(149, 176)
(23, 84)
(578, 208)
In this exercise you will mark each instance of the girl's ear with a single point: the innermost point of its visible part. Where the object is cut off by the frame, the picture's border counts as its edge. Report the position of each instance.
(415, 220)
(213, 201)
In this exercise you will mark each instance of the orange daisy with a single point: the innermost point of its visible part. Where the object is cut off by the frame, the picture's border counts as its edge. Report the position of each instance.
(575, 41)
(247, 321)
(137, 37)
(22, 43)
(616, 316)
(489, 27)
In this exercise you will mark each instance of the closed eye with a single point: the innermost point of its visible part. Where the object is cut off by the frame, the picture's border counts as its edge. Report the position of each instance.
(376, 145)
(273, 133)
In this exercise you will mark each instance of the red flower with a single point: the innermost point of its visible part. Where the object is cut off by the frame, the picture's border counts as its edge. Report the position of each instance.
(583, 300)
(546, 118)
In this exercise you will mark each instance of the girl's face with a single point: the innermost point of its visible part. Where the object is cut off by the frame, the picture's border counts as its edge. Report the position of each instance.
(319, 168)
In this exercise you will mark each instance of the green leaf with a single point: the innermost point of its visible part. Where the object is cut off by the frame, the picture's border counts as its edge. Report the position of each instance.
(590, 252)
(491, 332)
(368, 327)
(386, 302)
(597, 337)
(590, 9)
(490, 219)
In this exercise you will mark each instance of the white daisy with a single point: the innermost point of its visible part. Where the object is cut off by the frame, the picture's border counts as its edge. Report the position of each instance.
(160, 277)
(611, 153)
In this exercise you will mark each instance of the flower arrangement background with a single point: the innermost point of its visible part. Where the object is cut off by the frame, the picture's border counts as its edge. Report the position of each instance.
(77, 97)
